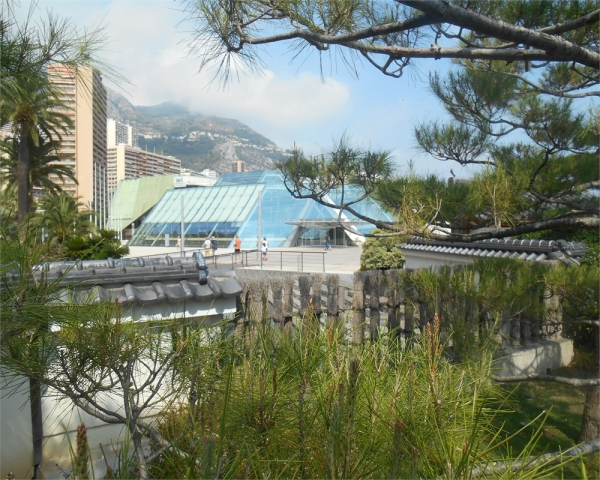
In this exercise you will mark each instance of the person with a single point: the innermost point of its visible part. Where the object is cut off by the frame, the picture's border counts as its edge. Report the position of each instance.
(263, 249)
(327, 243)
(237, 245)
(206, 246)
(266, 242)
(213, 245)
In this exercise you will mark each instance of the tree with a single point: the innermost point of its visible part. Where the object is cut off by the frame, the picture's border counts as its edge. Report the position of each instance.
(116, 370)
(536, 151)
(548, 183)
(522, 63)
(522, 67)
(42, 165)
(539, 152)
(63, 217)
(389, 34)
(27, 97)
(26, 105)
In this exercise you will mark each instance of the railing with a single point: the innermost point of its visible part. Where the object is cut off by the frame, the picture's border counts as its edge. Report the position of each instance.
(284, 260)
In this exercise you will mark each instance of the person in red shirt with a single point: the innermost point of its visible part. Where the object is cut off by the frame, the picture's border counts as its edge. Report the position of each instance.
(237, 245)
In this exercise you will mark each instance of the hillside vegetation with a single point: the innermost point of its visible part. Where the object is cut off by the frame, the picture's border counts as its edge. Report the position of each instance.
(199, 142)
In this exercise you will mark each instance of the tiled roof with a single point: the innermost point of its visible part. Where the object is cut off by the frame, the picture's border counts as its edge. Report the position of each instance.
(142, 281)
(532, 250)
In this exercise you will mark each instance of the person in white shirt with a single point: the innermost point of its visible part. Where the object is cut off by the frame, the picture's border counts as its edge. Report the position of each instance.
(206, 247)
(264, 249)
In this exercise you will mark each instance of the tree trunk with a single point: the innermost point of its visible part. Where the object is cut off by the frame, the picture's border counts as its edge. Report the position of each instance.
(23, 174)
(37, 428)
(35, 388)
(590, 423)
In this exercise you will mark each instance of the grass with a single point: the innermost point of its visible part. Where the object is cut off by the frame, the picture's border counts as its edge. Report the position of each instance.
(563, 405)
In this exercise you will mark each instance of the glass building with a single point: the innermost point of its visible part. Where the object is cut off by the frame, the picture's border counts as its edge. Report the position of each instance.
(133, 199)
(231, 207)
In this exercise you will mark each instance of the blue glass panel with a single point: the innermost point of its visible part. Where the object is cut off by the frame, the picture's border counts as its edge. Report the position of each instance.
(241, 178)
(230, 208)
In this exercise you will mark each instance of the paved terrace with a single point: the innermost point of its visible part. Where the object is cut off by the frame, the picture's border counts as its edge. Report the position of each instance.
(340, 260)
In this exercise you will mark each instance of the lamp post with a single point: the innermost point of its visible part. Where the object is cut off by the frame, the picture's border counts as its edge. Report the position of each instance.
(182, 237)
(259, 245)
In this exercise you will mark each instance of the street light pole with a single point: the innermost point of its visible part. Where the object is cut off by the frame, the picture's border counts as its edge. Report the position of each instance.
(259, 244)
(182, 237)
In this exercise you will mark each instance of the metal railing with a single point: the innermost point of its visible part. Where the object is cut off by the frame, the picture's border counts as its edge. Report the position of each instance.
(295, 261)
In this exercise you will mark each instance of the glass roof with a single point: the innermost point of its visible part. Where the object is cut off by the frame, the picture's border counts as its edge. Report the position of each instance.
(208, 211)
(367, 207)
(240, 178)
(231, 207)
(135, 196)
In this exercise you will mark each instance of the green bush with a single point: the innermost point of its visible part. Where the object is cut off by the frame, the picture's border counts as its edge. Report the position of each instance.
(381, 253)
(590, 237)
(585, 337)
(99, 246)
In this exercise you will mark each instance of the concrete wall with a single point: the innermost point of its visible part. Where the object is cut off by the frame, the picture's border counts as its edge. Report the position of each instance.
(61, 417)
(538, 358)
(16, 450)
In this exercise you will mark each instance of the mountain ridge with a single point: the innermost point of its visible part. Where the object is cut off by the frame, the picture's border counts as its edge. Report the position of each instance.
(198, 141)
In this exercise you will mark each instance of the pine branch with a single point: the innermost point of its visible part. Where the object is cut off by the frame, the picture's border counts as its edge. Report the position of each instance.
(556, 47)
(574, 382)
(498, 468)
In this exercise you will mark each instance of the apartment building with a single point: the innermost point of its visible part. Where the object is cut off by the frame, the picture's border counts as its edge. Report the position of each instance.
(128, 162)
(85, 97)
(120, 133)
(238, 166)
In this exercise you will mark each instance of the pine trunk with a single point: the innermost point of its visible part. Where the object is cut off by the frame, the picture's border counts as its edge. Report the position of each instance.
(590, 423)
(23, 174)
(37, 422)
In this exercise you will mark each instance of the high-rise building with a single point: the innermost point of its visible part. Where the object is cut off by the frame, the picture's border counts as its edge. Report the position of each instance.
(238, 166)
(127, 162)
(120, 133)
(84, 94)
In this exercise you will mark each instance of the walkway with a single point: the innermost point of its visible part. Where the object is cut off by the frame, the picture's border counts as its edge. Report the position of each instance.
(344, 260)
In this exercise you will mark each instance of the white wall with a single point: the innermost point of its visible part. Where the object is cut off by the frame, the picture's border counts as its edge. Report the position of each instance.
(16, 449)
(418, 259)
(61, 417)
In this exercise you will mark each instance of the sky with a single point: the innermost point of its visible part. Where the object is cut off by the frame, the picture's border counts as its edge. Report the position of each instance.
(288, 102)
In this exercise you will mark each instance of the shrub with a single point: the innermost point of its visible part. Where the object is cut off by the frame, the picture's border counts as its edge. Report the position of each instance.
(381, 253)
(96, 247)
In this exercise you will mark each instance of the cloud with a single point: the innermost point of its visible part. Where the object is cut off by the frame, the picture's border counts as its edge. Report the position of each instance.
(147, 41)
(272, 99)
(149, 51)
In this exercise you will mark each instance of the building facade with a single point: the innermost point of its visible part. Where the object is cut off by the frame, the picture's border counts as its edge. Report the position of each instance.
(84, 145)
(119, 133)
(238, 166)
(234, 205)
(128, 162)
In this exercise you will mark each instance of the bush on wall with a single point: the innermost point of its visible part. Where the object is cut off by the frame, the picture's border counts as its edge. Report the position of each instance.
(381, 253)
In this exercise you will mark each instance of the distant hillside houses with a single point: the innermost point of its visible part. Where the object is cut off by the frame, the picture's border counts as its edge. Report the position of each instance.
(233, 139)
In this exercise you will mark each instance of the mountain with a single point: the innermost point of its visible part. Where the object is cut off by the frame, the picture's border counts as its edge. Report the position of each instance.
(166, 109)
(199, 142)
